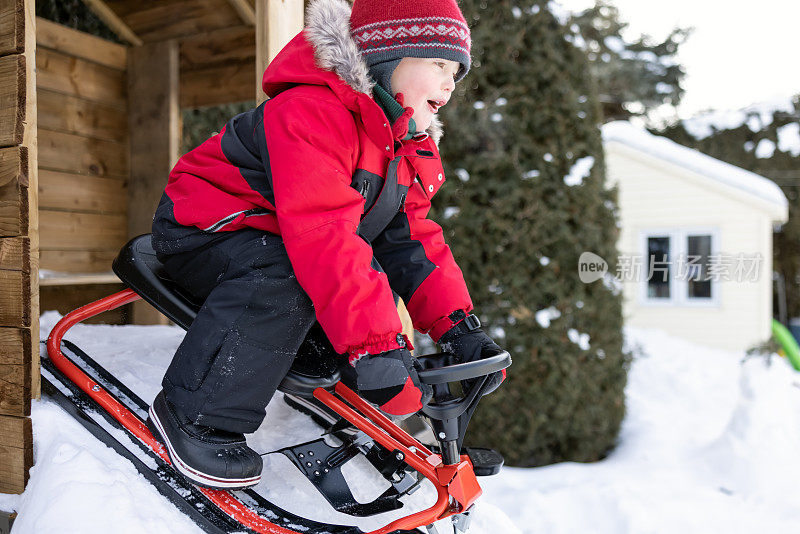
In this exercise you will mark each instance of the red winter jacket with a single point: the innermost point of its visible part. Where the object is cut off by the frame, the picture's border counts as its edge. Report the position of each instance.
(319, 164)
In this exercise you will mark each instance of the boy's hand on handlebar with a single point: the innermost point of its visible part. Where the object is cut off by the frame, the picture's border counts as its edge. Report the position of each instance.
(469, 343)
(391, 380)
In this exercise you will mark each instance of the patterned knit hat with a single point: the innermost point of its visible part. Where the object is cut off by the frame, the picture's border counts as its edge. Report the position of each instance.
(388, 30)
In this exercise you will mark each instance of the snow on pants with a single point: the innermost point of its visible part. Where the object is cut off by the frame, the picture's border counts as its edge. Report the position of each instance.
(253, 320)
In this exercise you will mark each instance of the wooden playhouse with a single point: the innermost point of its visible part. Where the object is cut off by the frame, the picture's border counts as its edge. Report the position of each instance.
(89, 130)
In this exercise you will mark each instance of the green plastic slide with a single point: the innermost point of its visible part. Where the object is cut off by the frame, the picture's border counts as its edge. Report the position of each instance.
(787, 341)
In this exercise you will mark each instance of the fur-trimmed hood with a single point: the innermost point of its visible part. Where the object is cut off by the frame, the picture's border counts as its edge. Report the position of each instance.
(337, 61)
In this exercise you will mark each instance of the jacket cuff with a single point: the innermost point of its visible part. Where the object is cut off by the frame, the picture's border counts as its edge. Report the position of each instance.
(378, 344)
(442, 325)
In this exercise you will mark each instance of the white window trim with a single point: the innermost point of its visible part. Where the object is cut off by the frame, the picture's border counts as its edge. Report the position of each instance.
(678, 248)
(644, 299)
(714, 301)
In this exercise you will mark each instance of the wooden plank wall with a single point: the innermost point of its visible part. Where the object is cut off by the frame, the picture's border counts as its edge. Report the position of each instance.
(83, 148)
(18, 242)
(217, 67)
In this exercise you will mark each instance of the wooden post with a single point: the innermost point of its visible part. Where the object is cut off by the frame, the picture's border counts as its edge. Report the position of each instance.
(277, 22)
(154, 123)
(19, 303)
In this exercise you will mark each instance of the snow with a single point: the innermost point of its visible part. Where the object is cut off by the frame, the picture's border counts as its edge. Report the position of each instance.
(559, 12)
(580, 339)
(611, 282)
(756, 116)
(497, 333)
(615, 44)
(545, 316)
(78, 481)
(663, 88)
(579, 170)
(789, 138)
(463, 175)
(451, 211)
(765, 149)
(627, 134)
(708, 444)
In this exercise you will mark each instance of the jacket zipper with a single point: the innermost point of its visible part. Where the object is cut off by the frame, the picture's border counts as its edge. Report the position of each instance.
(230, 218)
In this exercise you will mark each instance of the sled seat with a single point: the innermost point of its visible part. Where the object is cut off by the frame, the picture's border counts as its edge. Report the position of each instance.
(139, 268)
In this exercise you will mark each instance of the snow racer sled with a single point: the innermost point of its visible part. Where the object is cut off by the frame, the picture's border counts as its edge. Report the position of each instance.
(116, 415)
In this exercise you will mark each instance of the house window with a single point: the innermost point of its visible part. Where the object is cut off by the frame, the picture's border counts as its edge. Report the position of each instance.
(658, 267)
(679, 267)
(698, 252)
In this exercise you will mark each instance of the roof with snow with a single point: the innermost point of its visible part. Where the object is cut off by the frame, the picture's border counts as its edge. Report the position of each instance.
(660, 147)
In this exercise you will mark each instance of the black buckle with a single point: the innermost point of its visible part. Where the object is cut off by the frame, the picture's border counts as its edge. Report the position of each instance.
(472, 322)
(457, 315)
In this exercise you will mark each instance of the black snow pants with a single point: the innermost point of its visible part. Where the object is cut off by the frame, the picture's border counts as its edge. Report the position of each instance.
(254, 318)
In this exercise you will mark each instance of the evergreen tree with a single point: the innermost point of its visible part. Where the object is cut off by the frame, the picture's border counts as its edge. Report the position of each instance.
(198, 124)
(523, 152)
(635, 77)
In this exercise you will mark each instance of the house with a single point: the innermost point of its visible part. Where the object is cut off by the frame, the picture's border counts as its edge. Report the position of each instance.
(695, 244)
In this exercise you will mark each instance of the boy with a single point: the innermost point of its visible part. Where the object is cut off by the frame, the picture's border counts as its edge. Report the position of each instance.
(295, 224)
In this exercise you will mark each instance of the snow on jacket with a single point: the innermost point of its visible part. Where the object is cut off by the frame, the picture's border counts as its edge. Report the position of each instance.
(320, 164)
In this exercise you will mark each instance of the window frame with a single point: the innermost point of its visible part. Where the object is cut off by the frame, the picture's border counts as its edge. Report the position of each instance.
(678, 249)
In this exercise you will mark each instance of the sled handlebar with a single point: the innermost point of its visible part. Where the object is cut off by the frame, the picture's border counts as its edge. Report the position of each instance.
(439, 370)
(449, 413)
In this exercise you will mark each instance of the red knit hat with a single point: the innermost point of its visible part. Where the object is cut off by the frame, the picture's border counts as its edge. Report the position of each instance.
(386, 30)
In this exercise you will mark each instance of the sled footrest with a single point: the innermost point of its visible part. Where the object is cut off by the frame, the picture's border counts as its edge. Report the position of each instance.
(322, 465)
(485, 462)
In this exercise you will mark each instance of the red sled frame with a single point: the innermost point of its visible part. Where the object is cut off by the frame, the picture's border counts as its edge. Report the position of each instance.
(456, 484)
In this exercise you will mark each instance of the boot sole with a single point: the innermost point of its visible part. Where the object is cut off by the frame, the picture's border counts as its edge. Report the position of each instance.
(197, 477)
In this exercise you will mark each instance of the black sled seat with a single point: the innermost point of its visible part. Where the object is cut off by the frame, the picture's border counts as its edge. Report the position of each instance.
(139, 268)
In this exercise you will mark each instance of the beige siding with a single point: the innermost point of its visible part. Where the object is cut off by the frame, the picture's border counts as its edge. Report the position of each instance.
(658, 195)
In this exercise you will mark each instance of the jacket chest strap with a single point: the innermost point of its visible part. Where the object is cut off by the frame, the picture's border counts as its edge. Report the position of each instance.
(390, 200)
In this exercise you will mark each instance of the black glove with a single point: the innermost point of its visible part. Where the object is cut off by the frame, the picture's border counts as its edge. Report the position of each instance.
(391, 381)
(467, 342)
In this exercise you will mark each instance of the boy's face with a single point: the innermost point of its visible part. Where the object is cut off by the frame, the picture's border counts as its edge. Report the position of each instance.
(422, 80)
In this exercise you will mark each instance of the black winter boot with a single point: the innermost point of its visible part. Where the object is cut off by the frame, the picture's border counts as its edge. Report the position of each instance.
(208, 457)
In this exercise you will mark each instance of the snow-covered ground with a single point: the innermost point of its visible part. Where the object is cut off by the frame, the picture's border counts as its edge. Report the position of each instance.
(710, 444)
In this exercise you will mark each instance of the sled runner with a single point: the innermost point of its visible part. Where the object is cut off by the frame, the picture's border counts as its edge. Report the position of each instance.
(116, 415)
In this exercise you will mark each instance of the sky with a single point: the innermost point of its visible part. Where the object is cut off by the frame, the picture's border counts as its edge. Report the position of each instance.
(736, 56)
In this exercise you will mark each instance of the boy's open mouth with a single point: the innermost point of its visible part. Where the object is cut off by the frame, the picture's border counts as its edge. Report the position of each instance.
(434, 105)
